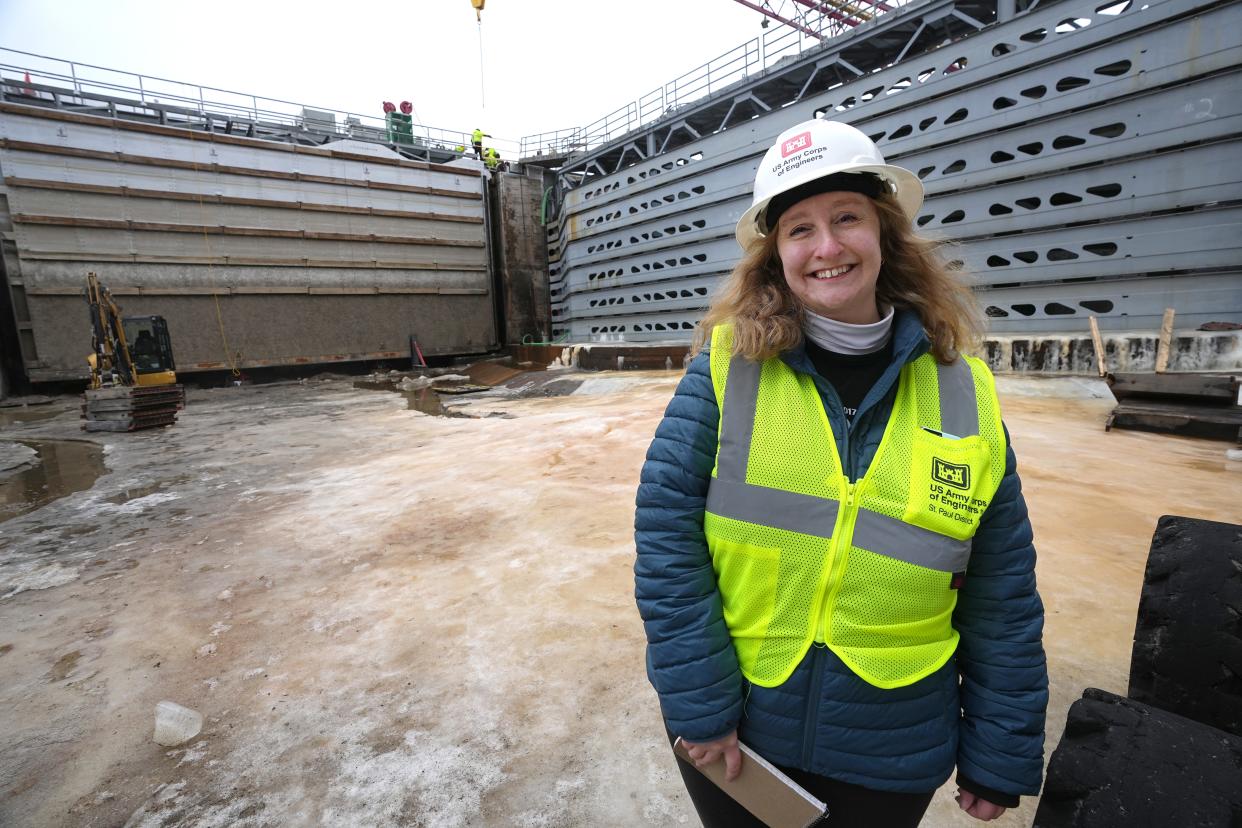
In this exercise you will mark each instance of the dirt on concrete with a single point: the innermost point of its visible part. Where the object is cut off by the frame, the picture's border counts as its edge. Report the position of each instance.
(390, 618)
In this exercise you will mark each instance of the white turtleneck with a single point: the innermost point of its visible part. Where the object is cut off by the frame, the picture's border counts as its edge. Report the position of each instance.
(844, 338)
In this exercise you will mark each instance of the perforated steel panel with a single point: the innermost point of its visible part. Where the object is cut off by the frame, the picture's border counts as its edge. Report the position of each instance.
(1084, 155)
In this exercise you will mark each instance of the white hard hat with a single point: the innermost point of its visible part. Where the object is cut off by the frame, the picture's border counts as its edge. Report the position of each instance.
(813, 150)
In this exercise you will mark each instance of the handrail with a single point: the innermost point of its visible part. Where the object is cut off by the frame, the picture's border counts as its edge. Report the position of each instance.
(87, 80)
(737, 64)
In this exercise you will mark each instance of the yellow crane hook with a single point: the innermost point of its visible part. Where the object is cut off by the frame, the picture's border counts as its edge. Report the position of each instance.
(478, 9)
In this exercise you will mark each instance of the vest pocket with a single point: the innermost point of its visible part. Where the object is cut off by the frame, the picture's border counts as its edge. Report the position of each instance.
(746, 577)
(948, 483)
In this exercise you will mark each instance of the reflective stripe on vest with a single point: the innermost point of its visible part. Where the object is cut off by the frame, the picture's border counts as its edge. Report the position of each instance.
(804, 555)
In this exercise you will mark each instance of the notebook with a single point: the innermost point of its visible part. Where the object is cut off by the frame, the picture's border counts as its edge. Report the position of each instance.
(771, 796)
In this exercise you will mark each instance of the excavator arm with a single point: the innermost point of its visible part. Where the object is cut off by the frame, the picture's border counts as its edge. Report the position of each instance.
(111, 362)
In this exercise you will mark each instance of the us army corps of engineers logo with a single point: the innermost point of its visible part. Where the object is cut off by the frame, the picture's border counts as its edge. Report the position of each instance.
(951, 474)
(950, 492)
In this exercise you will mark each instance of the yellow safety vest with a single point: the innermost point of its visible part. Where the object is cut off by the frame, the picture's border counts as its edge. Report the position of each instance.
(804, 556)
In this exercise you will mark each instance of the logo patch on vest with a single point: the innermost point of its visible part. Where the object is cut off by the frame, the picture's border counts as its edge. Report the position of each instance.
(951, 474)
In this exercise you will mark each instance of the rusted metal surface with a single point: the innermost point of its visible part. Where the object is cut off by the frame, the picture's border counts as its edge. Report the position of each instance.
(225, 230)
(216, 138)
(208, 167)
(217, 198)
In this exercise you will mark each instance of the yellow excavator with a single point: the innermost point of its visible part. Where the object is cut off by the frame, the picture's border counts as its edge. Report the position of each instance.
(134, 350)
(133, 381)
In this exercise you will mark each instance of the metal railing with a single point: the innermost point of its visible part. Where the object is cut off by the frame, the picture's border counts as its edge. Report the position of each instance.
(34, 72)
(734, 66)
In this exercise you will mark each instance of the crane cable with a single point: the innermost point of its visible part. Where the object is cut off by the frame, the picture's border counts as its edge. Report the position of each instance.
(482, 91)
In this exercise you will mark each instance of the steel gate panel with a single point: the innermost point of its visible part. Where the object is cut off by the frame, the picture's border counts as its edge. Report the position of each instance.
(1202, 240)
(1035, 307)
(1119, 119)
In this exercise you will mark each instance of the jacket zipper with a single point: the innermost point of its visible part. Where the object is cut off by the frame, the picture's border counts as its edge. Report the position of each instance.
(812, 705)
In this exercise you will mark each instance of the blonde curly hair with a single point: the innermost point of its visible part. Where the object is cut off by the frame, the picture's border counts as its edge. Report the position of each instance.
(767, 316)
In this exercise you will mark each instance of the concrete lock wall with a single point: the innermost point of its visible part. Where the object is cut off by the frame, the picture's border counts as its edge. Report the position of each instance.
(257, 253)
(1083, 154)
(523, 255)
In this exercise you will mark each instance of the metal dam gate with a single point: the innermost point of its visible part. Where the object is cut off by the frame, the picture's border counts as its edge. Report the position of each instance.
(1083, 154)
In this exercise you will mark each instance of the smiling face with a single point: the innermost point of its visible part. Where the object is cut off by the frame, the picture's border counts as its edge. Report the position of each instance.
(829, 246)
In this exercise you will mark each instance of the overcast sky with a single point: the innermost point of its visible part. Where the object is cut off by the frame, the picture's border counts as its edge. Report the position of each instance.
(547, 65)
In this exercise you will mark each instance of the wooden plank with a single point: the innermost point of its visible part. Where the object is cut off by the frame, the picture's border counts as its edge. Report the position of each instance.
(1166, 336)
(1219, 388)
(1098, 343)
(1211, 422)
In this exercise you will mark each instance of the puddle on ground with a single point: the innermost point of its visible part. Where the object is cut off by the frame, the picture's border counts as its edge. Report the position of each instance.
(127, 495)
(428, 402)
(425, 400)
(64, 666)
(26, 414)
(64, 467)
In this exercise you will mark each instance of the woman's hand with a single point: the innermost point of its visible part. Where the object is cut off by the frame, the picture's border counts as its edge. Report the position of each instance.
(704, 753)
(977, 807)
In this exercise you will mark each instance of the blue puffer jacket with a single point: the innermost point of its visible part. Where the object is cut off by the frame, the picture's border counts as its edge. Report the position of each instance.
(825, 719)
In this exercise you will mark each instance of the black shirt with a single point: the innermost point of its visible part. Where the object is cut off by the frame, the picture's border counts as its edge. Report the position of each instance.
(852, 375)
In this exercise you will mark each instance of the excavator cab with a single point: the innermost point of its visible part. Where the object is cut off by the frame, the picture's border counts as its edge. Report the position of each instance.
(150, 350)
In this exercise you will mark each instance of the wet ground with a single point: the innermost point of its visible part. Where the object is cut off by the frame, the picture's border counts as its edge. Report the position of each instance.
(58, 468)
(390, 618)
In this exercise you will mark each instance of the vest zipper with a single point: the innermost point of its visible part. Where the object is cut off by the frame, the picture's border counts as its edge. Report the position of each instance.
(843, 530)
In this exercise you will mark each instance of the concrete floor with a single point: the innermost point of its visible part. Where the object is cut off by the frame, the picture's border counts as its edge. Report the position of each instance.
(388, 618)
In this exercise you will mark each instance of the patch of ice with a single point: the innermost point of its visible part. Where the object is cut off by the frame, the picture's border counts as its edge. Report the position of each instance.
(1060, 387)
(443, 783)
(169, 792)
(193, 754)
(44, 577)
(219, 628)
(140, 504)
(206, 650)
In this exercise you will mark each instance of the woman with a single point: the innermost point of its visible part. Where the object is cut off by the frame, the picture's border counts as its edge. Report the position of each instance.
(834, 557)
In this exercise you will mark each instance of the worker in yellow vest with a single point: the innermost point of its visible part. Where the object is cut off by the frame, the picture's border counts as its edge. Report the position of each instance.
(830, 528)
(476, 140)
(492, 158)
